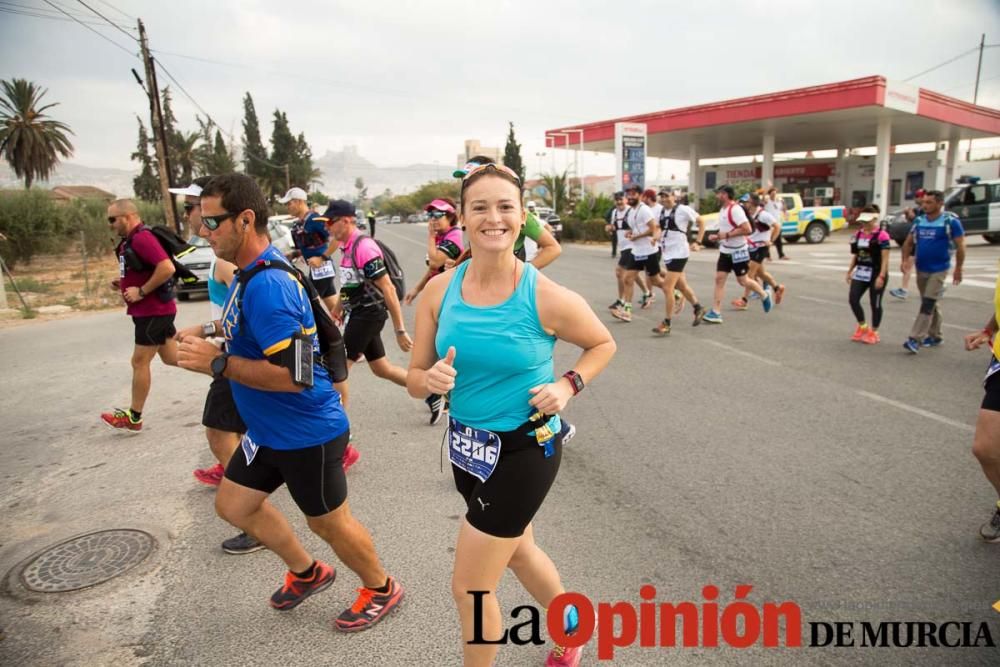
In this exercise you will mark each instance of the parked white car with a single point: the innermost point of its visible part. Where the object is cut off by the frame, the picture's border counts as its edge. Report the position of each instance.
(279, 228)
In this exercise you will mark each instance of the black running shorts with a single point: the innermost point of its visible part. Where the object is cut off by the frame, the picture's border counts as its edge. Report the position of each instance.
(625, 259)
(363, 334)
(676, 265)
(314, 475)
(325, 286)
(220, 410)
(991, 401)
(650, 264)
(760, 254)
(725, 265)
(154, 330)
(507, 501)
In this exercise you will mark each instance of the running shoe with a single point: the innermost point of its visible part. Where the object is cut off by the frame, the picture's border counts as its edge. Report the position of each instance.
(560, 656)
(370, 608)
(121, 419)
(784, 257)
(699, 314)
(436, 404)
(623, 314)
(296, 589)
(767, 303)
(662, 329)
(931, 341)
(912, 345)
(871, 337)
(210, 476)
(779, 294)
(647, 300)
(617, 304)
(739, 304)
(351, 456)
(713, 317)
(990, 531)
(568, 432)
(859, 333)
(241, 544)
(899, 293)
(678, 302)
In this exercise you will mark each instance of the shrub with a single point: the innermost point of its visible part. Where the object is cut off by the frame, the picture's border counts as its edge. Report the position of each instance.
(589, 230)
(31, 223)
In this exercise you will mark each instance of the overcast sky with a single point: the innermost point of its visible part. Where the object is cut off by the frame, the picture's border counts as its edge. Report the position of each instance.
(409, 81)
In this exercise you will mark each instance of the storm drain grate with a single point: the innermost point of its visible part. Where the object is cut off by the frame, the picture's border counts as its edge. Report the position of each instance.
(87, 560)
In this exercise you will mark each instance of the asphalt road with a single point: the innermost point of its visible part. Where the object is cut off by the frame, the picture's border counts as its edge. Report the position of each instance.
(768, 451)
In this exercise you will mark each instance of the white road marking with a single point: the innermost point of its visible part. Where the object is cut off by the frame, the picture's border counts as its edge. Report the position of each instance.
(917, 411)
(736, 350)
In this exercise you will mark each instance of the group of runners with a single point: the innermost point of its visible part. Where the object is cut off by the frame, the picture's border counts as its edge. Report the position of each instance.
(276, 409)
(653, 231)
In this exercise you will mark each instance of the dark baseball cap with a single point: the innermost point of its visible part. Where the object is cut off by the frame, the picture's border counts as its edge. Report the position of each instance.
(728, 189)
(339, 208)
(634, 187)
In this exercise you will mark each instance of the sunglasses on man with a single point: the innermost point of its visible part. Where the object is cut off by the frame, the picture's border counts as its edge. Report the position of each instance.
(212, 222)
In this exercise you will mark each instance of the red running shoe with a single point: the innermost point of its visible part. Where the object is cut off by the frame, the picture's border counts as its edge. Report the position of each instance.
(351, 456)
(121, 419)
(561, 656)
(297, 589)
(210, 476)
(370, 608)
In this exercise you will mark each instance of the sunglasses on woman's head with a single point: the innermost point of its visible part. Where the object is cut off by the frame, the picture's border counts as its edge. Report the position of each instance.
(499, 168)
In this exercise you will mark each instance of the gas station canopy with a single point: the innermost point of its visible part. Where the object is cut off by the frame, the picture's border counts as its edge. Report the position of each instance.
(837, 115)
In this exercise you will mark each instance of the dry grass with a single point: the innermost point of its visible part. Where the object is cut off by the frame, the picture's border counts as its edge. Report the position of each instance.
(62, 279)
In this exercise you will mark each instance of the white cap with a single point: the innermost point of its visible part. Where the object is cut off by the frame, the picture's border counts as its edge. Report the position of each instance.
(530, 204)
(190, 191)
(294, 193)
(867, 217)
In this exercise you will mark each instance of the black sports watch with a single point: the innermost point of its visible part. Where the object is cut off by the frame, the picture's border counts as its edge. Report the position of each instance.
(219, 365)
(575, 380)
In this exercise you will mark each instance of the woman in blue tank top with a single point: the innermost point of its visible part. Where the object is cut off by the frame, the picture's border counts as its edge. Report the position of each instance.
(485, 332)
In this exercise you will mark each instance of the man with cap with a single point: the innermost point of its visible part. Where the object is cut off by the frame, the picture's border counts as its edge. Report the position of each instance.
(367, 296)
(311, 241)
(734, 253)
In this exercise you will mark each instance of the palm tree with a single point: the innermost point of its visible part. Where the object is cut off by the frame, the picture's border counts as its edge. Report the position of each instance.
(186, 155)
(29, 140)
(556, 185)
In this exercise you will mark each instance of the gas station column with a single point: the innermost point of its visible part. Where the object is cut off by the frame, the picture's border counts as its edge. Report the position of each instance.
(949, 165)
(883, 139)
(842, 174)
(767, 168)
(694, 184)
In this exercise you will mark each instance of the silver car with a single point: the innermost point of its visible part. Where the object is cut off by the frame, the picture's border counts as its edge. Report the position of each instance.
(198, 261)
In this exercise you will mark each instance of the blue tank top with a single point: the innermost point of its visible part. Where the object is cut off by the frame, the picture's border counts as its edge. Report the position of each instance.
(501, 352)
(217, 292)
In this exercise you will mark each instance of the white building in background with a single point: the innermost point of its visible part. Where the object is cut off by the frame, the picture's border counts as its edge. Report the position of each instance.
(473, 147)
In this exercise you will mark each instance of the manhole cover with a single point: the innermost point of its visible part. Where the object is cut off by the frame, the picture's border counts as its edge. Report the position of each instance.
(87, 560)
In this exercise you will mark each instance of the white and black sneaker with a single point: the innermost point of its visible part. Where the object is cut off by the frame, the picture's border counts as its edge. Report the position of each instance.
(568, 431)
(436, 403)
(990, 531)
(242, 544)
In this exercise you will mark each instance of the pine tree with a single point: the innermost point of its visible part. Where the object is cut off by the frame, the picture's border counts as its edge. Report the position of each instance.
(147, 184)
(512, 154)
(175, 142)
(283, 152)
(222, 157)
(253, 146)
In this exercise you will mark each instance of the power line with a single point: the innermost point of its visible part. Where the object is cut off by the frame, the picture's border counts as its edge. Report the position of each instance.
(17, 10)
(950, 61)
(108, 4)
(99, 34)
(110, 22)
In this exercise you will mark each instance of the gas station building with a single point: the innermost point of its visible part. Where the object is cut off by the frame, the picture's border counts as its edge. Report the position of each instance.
(871, 111)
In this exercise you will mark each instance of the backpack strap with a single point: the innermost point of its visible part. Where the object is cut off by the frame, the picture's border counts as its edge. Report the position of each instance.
(371, 291)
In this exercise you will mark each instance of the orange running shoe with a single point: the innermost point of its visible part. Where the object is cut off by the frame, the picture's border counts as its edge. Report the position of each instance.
(870, 337)
(121, 419)
(370, 608)
(296, 589)
(739, 304)
(779, 294)
(859, 333)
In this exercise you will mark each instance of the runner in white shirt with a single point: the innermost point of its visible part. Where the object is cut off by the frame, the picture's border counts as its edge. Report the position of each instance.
(776, 207)
(619, 225)
(675, 221)
(765, 227)
(643, 234)
(734, 254)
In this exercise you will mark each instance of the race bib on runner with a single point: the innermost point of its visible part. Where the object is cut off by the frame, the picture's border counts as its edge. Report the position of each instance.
(474, 450)
(740, 256)
(863, 243)
(324, 270)
(863, 274)
(249, 448)
(121, 266)
(349, 276)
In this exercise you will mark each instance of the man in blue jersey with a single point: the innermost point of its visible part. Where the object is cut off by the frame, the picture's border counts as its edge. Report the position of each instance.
(311, 240)
(297, 429)
(932, 235)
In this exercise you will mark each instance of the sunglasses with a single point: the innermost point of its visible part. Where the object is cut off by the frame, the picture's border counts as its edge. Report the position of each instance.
(499, 168)
(212, 222)
(190, 207)
(112, 219)
(437, 215)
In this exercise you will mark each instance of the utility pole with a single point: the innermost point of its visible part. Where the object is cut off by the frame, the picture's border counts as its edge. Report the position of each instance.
(975, 94)
(288, 180)
(160, 142)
